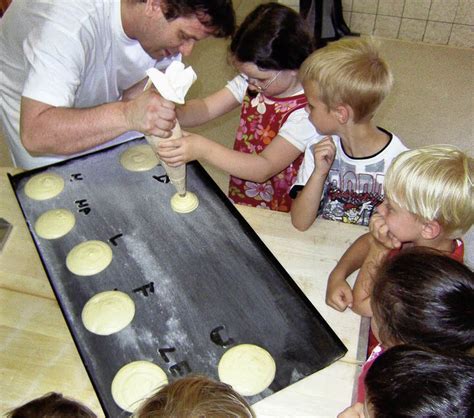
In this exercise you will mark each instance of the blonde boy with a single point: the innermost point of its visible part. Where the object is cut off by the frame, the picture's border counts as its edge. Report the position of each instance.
(428, 202)
(343, 169)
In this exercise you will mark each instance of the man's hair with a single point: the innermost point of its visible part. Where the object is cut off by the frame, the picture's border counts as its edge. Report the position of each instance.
(434, 183)
(51, 405)
(406, 381)
(349, 72)
(195, 397)
(273, 37)
(424, 297)
(216, 14)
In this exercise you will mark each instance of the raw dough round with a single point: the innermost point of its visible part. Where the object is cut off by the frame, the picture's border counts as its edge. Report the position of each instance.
(139, 158)
(89, 257)
(134, 382)
(44, 186)
(55, 223)
(108, 312)
(248, 368)
(184, 204)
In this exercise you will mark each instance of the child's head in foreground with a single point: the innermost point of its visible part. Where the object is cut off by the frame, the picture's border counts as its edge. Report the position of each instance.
(433, 184)
(349, 72)
(52, 405)
(425, 298)
(195, 397)
(407, 381)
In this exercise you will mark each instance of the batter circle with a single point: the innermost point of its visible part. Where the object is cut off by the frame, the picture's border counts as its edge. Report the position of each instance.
(134, 382)
(139, 158)
(248, 368)
(54, 223)
(44, 186)
(89, 258)
(184, 204)
(108, 312)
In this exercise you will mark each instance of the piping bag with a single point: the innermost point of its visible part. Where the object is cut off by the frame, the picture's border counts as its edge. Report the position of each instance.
(173, 85)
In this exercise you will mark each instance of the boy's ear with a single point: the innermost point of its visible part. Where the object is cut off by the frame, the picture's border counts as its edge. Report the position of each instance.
(153, 6)
(343, 113)
(431, 230)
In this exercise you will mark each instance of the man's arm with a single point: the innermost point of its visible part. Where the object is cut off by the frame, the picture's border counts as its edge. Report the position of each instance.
(46, 129)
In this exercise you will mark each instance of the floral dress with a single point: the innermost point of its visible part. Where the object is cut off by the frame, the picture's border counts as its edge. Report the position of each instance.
(261, 118)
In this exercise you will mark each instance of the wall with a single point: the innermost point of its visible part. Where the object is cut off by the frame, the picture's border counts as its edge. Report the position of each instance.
(441, 22)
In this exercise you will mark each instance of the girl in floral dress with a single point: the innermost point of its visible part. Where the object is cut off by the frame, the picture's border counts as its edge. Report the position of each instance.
(274, 128)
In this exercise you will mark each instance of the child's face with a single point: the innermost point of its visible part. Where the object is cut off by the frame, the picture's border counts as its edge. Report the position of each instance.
(401, 224)
(268, 82)
(320, 116)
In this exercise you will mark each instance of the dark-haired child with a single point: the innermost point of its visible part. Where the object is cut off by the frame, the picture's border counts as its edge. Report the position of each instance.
(267, 50)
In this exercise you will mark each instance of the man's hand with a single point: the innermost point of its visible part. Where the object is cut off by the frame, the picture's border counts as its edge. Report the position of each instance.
(380, 232)
(324, 153)
(150, 114)
(176, 152)
(338, 293)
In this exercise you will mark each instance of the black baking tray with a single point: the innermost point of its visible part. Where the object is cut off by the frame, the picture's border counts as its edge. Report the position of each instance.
(202, 282)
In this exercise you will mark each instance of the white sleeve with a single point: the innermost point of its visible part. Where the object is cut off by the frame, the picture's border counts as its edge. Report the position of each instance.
(238, 86)
(298, 130)
(54, 64)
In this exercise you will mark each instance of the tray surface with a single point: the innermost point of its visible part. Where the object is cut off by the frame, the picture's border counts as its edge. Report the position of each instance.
(201, 282)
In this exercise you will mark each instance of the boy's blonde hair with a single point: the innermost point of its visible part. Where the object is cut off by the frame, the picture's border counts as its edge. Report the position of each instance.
(195, 397)
(435, 184)
(350, 72)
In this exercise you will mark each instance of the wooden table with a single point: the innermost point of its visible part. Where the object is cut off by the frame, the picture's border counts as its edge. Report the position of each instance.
(38, 355)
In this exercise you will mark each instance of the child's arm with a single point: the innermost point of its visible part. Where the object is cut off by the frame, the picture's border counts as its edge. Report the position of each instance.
(278, 155)
(338, 292)
(199, 111)
(304, 208)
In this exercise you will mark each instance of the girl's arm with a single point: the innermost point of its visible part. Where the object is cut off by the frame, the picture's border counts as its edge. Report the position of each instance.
(199, 111)
(278, 155)
(338, 292)
(304, 208)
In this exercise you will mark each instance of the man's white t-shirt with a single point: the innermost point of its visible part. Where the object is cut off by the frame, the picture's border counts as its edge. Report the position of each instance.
(64, 53)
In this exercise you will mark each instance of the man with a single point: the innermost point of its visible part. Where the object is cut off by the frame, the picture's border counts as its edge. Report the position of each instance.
(73, 72)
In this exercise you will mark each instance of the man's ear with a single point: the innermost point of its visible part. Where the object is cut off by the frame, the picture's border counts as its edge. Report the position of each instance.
(343, 113)
(431, 230)
(152, 7)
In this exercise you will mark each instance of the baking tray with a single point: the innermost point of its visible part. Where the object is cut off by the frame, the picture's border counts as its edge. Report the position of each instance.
(202, 282)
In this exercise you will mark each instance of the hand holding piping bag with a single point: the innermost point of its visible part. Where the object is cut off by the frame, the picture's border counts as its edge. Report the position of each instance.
(173, 85)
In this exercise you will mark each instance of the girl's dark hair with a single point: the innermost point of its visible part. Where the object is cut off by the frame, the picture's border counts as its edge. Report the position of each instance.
(407, 381)
(216, 14)
(273, 37)
(425, 298)
(52, 405)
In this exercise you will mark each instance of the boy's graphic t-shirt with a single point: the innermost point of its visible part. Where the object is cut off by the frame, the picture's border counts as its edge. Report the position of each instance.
(354, 186)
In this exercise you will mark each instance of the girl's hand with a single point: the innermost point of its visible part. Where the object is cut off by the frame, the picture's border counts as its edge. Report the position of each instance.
(176, 152)
(324, 153)
(380, 232)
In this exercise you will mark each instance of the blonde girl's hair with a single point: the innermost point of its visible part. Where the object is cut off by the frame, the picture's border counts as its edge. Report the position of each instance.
(435, 184)
(195, 397)
(349, 72)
